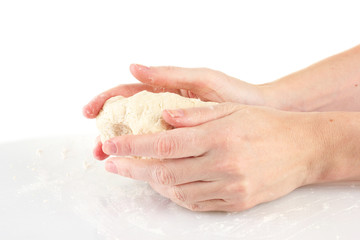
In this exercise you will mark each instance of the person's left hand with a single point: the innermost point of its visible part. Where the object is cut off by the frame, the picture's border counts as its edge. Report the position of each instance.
(228, 157)
(202, 83)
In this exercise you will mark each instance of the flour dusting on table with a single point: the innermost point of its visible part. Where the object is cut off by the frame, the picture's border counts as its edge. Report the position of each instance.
(115, 205)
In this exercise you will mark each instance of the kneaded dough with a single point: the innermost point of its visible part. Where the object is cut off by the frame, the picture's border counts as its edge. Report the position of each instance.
(140, 113)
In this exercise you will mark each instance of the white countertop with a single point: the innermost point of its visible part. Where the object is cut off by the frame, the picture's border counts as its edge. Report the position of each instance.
(56, 55)
(54, 189)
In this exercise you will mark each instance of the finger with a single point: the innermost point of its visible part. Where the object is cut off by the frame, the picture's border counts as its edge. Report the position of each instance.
(191, 192)
(208, 204)
(195, 116)
(214, 205)
(97, 151)
(165, 172)
(92, 109)
(199, 82)
(176, 143)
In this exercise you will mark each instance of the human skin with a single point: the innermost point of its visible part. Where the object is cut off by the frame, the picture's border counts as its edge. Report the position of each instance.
(332, 84)
(231, 157)
(243, 155)
(203, 83)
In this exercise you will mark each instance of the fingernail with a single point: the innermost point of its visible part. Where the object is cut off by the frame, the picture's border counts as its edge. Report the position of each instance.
(86, 111)
(175, 113)
(110, 147)
(111, 167)
(141, 67)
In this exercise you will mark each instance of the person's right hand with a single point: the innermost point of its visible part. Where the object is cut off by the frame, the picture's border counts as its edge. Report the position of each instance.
(202, 83)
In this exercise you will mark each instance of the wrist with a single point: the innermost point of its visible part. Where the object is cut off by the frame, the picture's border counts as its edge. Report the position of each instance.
(337, 155)
(276, 95)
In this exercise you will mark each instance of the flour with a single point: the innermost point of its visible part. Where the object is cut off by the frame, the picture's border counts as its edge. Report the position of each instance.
(119, 207)
(64, 153)
(140, 113)
(39, 152)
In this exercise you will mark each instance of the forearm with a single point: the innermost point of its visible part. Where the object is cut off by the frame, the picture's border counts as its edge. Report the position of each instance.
(338, 158)
(332, 84)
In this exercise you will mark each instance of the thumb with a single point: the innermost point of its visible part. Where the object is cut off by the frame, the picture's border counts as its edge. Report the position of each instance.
(190, 117)
(201, 82)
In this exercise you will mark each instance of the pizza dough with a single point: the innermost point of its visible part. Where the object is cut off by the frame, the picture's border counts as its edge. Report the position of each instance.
(140, 113)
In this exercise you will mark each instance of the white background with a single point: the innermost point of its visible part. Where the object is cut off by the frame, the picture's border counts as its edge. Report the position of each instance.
(56, 55)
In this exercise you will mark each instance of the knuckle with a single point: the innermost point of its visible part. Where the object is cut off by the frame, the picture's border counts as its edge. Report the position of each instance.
(169, 68)
(228, 166)
(231, 107)
(210, 71)
(164, 176)
(241, 206)
(215, 74)
(193, 207)
(165, 146)
(227, 140)
(206, 77)
(239, 191)
(126, 147)
(126, 172)
(237, 205)
(224, 144)
(219, 75)
(179, 194)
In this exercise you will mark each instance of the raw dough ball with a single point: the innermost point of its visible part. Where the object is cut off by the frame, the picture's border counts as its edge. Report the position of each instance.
(140, 113)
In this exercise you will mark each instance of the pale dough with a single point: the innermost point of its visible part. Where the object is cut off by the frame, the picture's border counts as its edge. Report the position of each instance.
(140, 113)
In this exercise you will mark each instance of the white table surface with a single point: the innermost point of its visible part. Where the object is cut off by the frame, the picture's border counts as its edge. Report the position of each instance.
(56, 55)
(52, 188)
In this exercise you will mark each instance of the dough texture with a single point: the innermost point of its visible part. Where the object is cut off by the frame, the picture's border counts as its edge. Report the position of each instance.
(140, 113)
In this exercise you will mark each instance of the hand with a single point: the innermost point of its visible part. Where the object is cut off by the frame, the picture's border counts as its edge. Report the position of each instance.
(206, 84)
(229, 157)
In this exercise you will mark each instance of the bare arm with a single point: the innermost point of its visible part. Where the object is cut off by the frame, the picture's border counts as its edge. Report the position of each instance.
(341, 147)
(243, 155)
(332, 84)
